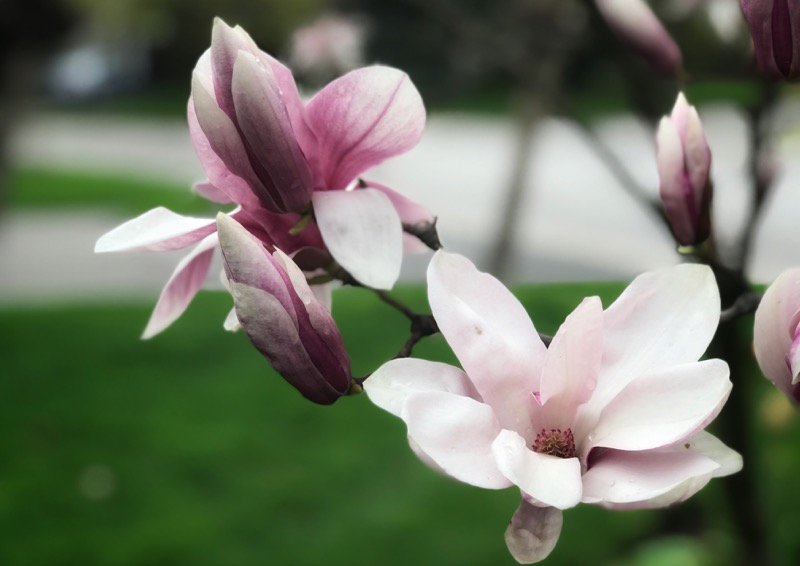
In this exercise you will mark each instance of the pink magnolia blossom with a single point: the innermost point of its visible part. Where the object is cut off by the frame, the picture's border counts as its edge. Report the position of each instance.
(634, 22)
(282, 317)
(284, 162)
(776, 333)
(775, 29)
(684, 163)
(612, 413)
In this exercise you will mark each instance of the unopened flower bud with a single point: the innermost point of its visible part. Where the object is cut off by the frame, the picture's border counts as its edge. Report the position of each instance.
(282, 317)
(775, 29)
(684, 160)
(635, 23)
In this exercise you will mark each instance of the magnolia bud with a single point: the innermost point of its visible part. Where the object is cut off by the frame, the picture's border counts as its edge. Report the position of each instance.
(635, 23)
(684, 159)
(282, 317)
(774, 25)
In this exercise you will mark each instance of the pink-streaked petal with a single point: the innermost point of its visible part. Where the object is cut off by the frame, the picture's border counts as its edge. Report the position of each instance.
(225, 142)
(456, 432)
(226, 43)
(547, 479)
(392, 383)
(182, 286)
(570, 369)
(662, 408)
(533, 532)
(636, 24)
(644, 480)
(775, 328)
(663, 318)
(318, 315)
(674, 187)
(209, 191)
(274, 333)
(698, 154)
(411, 213)
(157, 230)
(492, 335)
(264, 122)
(363, 233)
(225, 181)
(363, 118)
(248, 262)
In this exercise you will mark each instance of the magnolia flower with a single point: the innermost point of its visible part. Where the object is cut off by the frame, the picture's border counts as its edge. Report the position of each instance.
(776, 333)
(290, 167)
(612, 413)
(774, 26)
(684, 162)
(634, 22)
(282, 317)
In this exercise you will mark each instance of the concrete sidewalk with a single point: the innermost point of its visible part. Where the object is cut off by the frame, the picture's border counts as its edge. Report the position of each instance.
(576, 222)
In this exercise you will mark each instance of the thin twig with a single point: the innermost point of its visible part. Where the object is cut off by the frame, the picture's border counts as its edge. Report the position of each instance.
(746, 303)
(622, 174)
(756, 116)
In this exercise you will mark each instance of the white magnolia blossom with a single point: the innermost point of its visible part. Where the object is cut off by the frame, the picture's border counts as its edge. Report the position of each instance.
(612, 413)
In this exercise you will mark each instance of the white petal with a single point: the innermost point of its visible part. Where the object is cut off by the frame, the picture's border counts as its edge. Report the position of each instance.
(363, 233)
(774, 329)
(573, 360)
(156, 230)
(648, 479)
(392, 383)
(232, 323)
(533, 532)
(182, 286)
(664, 407)
(663, 318)
(456, 433)
(550, 480)
(492, 335)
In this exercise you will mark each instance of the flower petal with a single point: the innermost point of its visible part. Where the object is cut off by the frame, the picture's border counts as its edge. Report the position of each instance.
(274, 333)
(456, 432)
(182, 286)
(157, 230)
(264, 122)
(533, 532)
(232, 186)
(550, 480)
(363, 234)
(225, 142)
(774, 330)
(661, 408)
(411, 214)
(570, 370)
(363, 118)
(392, 383)
(492, 335)
(648, 479)
(663, 318)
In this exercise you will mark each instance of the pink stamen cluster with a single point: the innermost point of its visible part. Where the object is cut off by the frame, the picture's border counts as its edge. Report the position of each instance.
(555, 442)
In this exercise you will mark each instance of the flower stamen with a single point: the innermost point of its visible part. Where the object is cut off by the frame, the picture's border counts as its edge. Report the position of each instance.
(555, 442)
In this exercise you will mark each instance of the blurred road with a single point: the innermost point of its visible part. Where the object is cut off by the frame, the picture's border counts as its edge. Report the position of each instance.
(576, 223)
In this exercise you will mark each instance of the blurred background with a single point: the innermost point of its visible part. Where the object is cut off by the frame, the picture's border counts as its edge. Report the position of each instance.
(538, 158)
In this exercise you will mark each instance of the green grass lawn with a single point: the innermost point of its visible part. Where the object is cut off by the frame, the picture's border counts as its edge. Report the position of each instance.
(188, 449)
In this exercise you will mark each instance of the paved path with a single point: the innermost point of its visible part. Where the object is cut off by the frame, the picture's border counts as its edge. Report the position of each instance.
(577, 222)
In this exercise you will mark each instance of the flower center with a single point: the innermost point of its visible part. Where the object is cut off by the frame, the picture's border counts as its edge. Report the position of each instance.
(555, 442)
